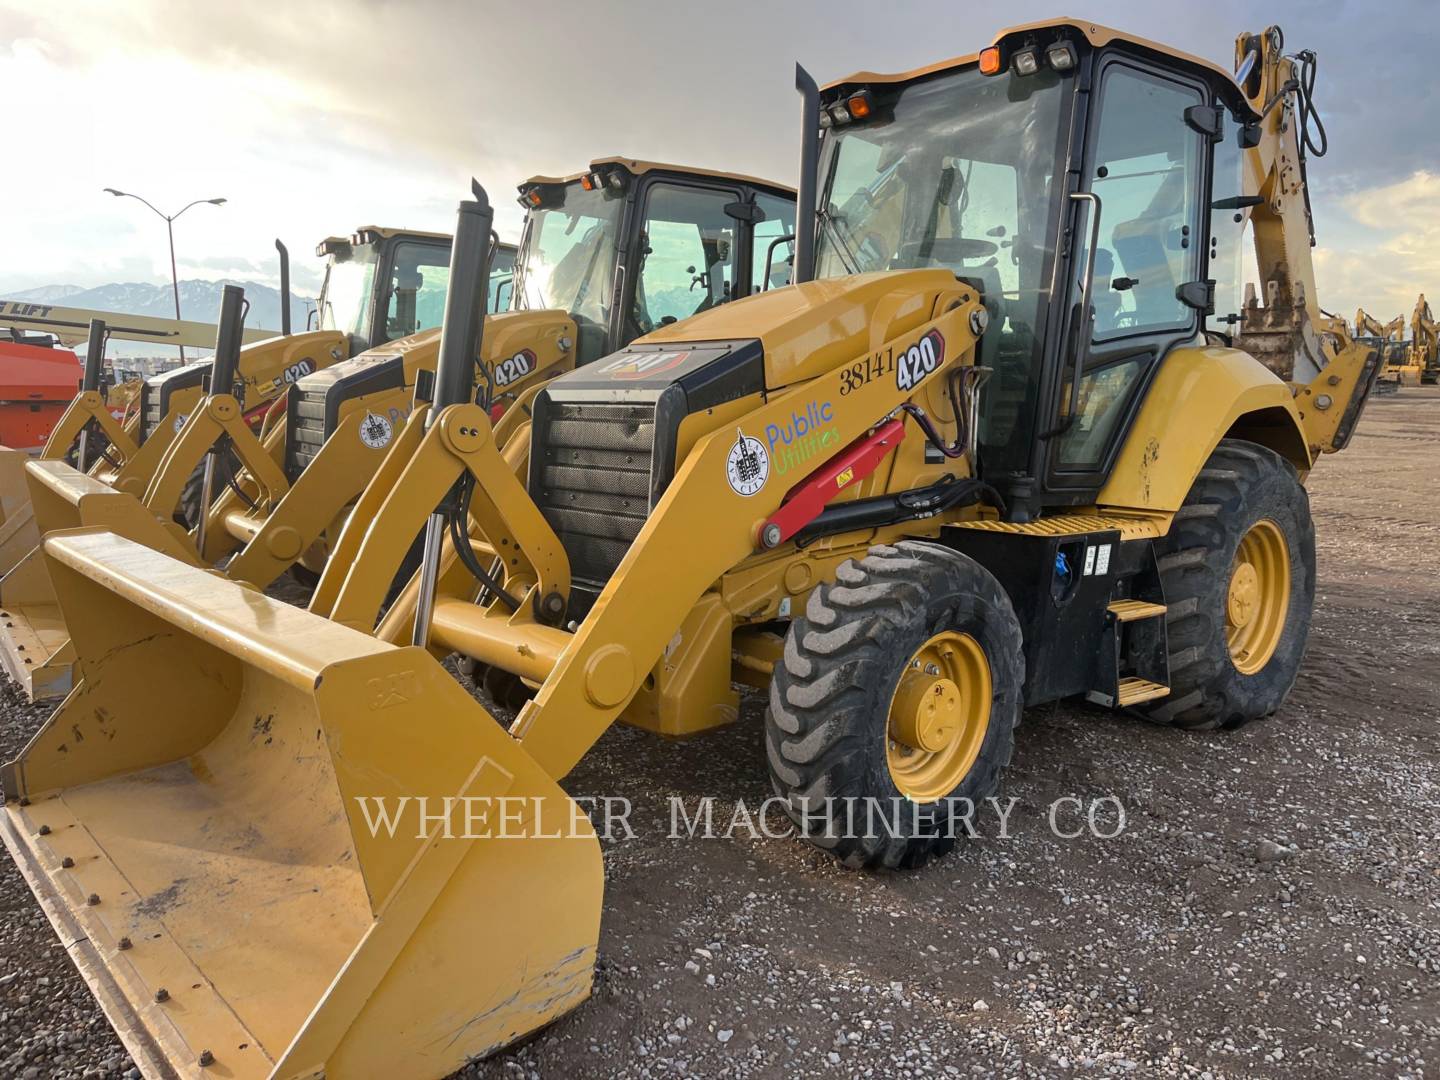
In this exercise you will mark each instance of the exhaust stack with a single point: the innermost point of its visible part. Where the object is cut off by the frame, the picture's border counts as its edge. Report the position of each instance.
(460, 338)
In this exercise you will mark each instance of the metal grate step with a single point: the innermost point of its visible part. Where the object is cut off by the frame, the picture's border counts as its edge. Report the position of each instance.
(1130, 610)
(1133, 691)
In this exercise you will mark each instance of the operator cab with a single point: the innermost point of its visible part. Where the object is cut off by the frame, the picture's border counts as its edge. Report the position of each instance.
(1067, 173)
(628, 246)
(382, 284)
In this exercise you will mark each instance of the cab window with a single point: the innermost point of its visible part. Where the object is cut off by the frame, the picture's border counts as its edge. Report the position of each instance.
(1146, 171)
(502, 280)
(688, 254)
(774, 244)
(419, 277)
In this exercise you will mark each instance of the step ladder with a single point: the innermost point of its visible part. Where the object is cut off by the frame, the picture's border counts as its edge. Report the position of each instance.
(1134, 655)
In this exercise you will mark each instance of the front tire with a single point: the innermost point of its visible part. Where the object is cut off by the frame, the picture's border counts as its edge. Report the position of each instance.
(898, 693)
(1238, 570)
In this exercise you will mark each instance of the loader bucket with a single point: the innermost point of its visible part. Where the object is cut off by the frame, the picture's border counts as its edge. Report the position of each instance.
(18, 534)
(194, 821)
(34, 640)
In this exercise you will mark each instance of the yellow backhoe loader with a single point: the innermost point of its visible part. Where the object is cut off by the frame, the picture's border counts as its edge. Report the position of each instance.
(286, 491)
(815, 490)
(1388, 338)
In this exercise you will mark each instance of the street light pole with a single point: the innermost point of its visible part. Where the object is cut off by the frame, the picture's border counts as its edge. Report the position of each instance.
(170, 231)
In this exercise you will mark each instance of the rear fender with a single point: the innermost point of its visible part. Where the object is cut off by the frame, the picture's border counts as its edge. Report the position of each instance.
(1200, 396)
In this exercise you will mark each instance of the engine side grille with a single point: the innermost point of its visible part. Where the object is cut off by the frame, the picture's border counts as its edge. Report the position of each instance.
(593, 481)
(150, 410)
(305, 431)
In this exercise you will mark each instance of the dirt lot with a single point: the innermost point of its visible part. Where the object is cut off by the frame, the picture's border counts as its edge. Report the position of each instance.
(1272, 907)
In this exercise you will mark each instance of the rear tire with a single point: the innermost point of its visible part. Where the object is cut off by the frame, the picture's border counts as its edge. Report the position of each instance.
(1223, 674)
(837, 701)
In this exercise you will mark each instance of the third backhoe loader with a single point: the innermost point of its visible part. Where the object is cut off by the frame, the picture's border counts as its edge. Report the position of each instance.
(816, 490)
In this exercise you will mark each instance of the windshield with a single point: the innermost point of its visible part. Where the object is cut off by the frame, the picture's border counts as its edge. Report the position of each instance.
(345, 296)
(956, 172)
(569, 255)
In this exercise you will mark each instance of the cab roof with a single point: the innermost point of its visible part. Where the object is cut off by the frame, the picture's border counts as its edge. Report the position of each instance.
(1094, 33)
(637, 167)
(369, 233)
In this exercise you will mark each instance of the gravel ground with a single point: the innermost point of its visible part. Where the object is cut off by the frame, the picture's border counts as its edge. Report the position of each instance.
(1271, 908)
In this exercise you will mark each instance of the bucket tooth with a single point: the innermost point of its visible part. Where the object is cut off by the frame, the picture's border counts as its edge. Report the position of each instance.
(221, 782)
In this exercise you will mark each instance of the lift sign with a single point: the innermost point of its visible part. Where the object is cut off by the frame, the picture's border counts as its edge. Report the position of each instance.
(920, 360)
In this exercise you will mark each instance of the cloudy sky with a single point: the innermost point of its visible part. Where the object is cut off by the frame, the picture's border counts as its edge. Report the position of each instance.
(314, 116)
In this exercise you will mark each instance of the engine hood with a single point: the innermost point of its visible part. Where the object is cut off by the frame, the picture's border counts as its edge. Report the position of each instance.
(806, 330)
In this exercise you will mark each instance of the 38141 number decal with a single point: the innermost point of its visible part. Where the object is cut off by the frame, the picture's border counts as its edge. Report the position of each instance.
(920, 360)
(910, 366)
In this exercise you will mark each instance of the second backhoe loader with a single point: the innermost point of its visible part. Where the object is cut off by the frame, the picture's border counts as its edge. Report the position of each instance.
(951, 472)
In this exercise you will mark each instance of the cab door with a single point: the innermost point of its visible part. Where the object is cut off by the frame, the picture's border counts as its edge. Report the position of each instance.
(683, 255)
(1135, 288)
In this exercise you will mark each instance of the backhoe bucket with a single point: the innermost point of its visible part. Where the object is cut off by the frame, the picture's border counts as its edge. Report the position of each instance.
(18, 534)
(34, 640)
(278, 847)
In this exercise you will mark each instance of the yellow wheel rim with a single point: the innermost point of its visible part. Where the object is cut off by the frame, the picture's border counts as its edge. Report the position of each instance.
(938, 716)
(1258, 597)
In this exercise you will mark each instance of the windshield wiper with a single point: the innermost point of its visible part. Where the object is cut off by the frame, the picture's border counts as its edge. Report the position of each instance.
(847, 253)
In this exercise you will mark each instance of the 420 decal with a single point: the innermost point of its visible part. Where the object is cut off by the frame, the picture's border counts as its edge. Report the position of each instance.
(920, 360)
(910, 367)
(516, 367)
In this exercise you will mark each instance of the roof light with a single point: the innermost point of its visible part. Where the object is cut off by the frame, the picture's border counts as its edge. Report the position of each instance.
(588, 182)
(839, 114)
(1061, 56)
(825, 120)
(859, 104)
(1025, 62)
(533, 197)
(616, 180)
(990, 61)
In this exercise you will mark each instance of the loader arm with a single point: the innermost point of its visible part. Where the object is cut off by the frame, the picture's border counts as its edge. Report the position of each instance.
(87, 408)
(219, 417)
